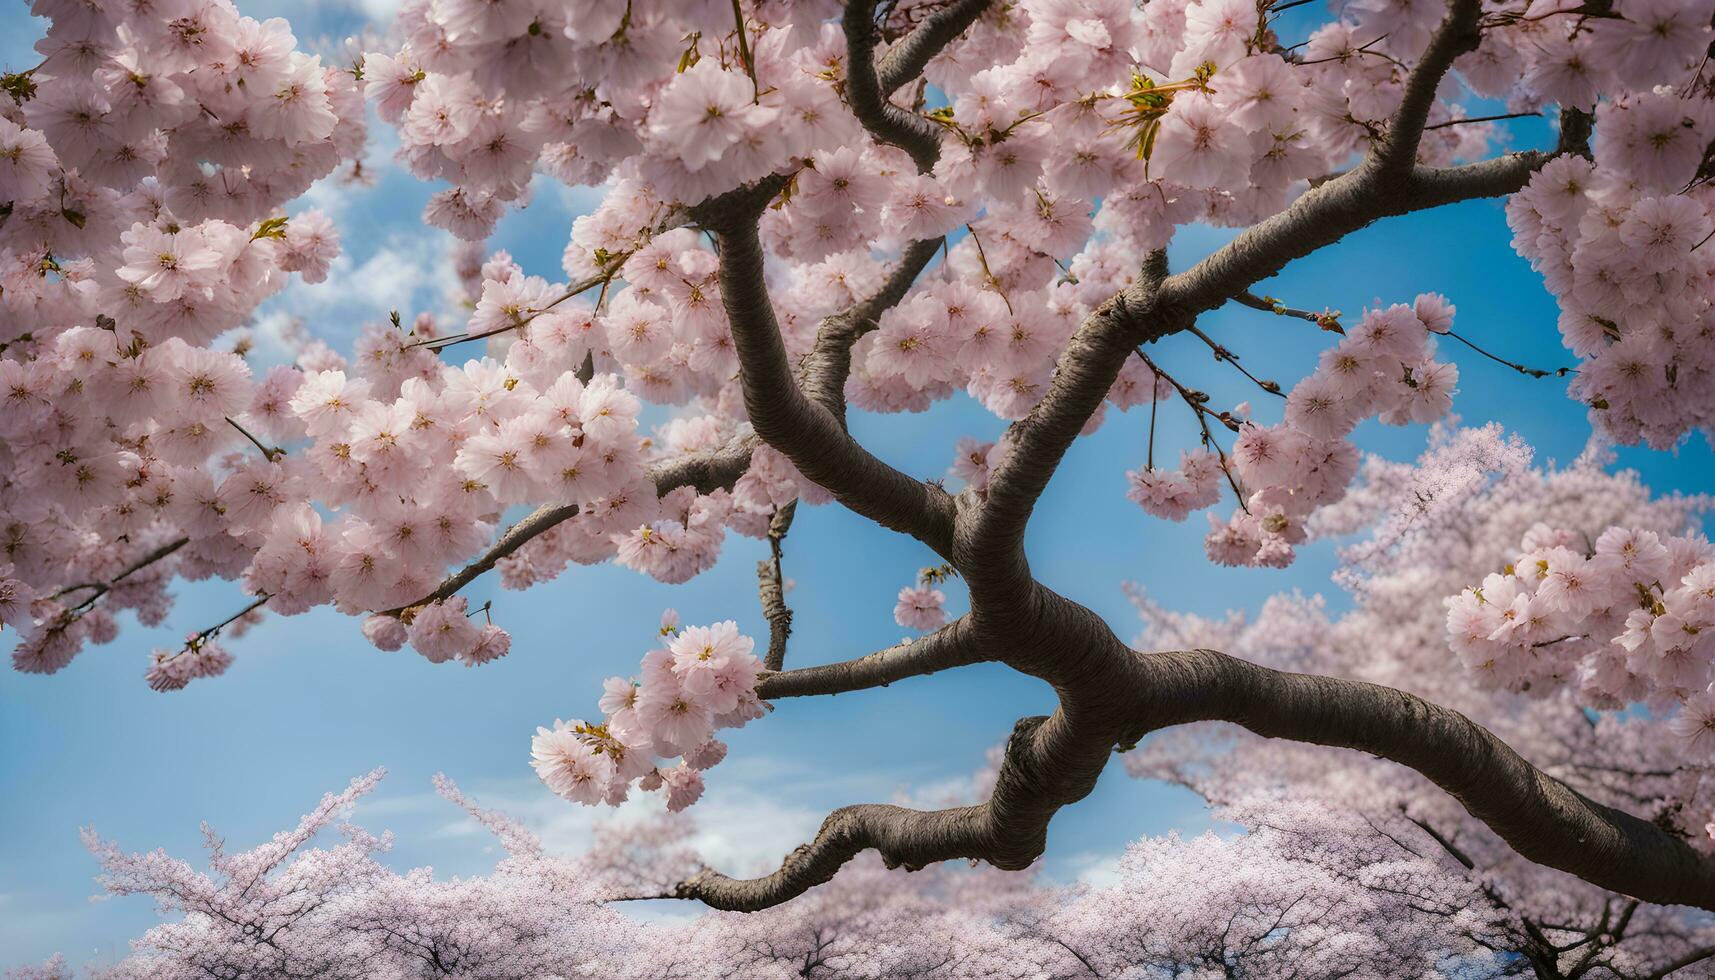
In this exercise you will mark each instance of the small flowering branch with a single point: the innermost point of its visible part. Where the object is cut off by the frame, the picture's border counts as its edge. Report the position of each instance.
(438, 344)
(272, 454)
(1520, 368)
(1227, 356)
(102, 588)
(199, 657)
(1197, 400)
(1328, 319)
(1482, 119)
(1360, 50)
(771, 586)
(199, 638)
(988, 277)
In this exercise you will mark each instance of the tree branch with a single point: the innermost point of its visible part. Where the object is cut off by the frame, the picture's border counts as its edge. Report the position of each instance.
(886, 122)
(1112, 696)
(950, 646)
(1049, 763)
(907, 59)
(804, 429)
(991, 553)
(1539, 816)
(102, 588)
(906, 838)
(1457, 34)
(771, 589)
(705, 471)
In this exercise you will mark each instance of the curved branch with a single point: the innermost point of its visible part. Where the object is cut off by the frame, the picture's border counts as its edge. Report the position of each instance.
(813, 437)
(1457, 34)
(907, 59)
(886, 122)
(705, 471)
(950, 646)
(906, 838)
(1111, 695)
(1540, 817)
(1049, 763)
(991, 552)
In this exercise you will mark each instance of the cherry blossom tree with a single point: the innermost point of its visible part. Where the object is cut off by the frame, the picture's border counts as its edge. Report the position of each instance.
(812, 206)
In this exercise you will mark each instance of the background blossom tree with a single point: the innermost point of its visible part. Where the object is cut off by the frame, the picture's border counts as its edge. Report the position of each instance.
(811, 207)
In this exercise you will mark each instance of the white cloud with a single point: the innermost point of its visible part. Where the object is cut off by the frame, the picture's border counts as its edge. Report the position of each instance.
(1095, 868)
(379, 12)
(389, 278)
(754, 812)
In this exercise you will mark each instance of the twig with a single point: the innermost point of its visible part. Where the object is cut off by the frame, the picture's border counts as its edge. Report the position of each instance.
(271, 454)
(982, 259)
(101, 588)
(1478, 119)
(1223, 354)
(439, 344)
(1195, 399)
(228, 621)
(744, 51)
(1328, 320)
(1520, 368)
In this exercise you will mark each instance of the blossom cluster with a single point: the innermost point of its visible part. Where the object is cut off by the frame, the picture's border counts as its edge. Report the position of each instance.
(1629, 617)
(1383, 367)
(701, 679)
(1619, 240)
(1430, 528)
(921, 605)
(144, 165)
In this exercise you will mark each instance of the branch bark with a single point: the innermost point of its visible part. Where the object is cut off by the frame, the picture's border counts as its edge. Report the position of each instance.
(886, 122)
(907, 59)
(804, 429)
(1112, 696)
(1457, 34)
(950, 646)
(1539, 816)
(771, 588)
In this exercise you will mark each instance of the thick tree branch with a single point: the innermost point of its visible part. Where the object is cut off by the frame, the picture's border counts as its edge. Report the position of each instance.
(804, 429)
(1457, 34)
(1049, 763)
(1326, 214)
(886, 122)
(824, 372)
(991, 543)
(906, 838)
(1539, 816)
(1387, 183)
(907, 59)
(1112, 696)
(950, 646)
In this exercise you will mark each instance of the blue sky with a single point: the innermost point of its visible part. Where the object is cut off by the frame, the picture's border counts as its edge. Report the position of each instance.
(309, 704)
